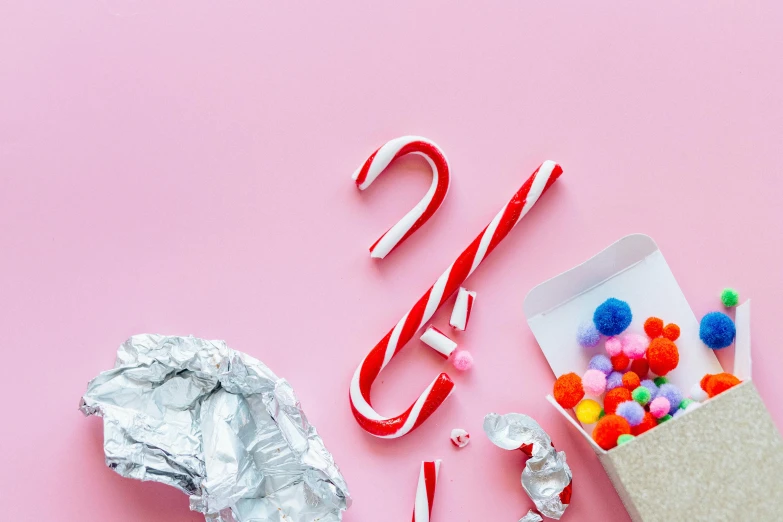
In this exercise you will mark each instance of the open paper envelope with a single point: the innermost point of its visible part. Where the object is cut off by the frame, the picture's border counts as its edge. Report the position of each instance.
(634, 270)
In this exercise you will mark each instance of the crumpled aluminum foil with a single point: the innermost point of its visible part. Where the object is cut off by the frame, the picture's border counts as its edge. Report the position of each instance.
(218, 425)
(531, 516)
(546, 478)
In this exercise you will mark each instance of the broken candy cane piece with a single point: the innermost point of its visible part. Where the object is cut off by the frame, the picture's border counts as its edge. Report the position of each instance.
(460, 315)
(438, 341)
(425, 491)
(460, 437)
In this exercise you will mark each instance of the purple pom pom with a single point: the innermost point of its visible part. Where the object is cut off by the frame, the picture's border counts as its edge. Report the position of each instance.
(631, 411)
(615, 380)
(601, 363)
(672, 393)
(587, 335)
(650, 385)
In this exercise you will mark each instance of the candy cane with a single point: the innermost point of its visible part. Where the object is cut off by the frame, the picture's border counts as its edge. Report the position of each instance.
(425, 491)
(383, 352)
(424, 210)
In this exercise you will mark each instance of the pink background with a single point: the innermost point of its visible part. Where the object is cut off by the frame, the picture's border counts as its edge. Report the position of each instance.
(185, 167)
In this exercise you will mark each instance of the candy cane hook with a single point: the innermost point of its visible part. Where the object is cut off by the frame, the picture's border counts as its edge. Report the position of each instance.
(467, 262)
(424, 210)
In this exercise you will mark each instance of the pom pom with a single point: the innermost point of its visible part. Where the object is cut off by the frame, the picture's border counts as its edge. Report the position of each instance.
(615, 380)
(650, 385)
(685, 403)
(594, 382)
(640, 367)
(693, 406)
(624, 439)
(729, 297)
(647, 424)
(698, 394)
(671, 332)
(612, 316)
(631, 381)
(609, 429)
(720, 383)
(678, 413)
(614, 397)
(672, 394)
(653, 327)
(587, 336)
(634, 346)
(631, 411)
(613, 346)
(660, 380)
(462, 361)
(641, 395)
(620, 362)
(659, 407)
(664, 419)
(588, 411)
(601, 363)
(717, 330)
(662, 355)
(704, 381)
(568, 390)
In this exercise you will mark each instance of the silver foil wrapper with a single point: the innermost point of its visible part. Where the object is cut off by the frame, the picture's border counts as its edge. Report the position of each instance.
(531, 516)
(546, 477)
(219, 426)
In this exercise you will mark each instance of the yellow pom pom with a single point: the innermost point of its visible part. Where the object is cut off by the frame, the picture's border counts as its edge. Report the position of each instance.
(588, 411)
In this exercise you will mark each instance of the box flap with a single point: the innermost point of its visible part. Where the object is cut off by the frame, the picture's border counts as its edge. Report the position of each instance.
(742, 363)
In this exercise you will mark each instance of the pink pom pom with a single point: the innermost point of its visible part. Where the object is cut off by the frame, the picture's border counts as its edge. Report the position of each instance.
(660, 407)
(463, 361)
(634, 346)
(613, 346)
(594, 382)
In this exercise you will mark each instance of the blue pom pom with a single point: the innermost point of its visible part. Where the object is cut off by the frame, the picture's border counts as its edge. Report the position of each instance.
(650, 385)
(587, 336)
(615, 380)
(631, 411)
(612, 317)
(717, 330)
(673, 394)
(601, 363)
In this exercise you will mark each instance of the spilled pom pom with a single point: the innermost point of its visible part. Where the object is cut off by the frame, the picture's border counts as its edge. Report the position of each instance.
(729, 297)
(586, 335)
(601, 363)
(588, 411)
(698, 394)
(568, 390)
(612, 316)
(671, 332)
(631, 411)
(662, 355)
(672, 394)
(634, 346)
(717, 330)
(647, 424)
(641, 395)
(653, 327)
(613, 346)
(719, 383)
(620, 362)
(609, 429)
(594, 382)
(615, 380)
(640, 367)
(614, 397)
(462, 361)
(631, 381)
(659, 407)
(624, 439)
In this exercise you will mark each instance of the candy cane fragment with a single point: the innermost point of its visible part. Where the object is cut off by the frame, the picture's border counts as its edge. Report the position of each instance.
(438, 341)
(425, 491)
(460, 314)
(456, 274)
(424, 210)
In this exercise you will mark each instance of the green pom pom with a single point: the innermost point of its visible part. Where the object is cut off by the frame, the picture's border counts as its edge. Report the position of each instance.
(660, 380)
(622, 439)
(602, 414)
(729, 297)
(685, 403)
(641, 395)
(664, 419)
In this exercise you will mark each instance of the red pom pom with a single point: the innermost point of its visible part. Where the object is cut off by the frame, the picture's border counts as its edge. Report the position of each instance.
(671, 332)
(653, 327)
(614, 397)
(640, 367)
(620, 362)
(662, 356)
(648, 423)
(631, 381)
(568, 390)
(608, 429)
(719, 383)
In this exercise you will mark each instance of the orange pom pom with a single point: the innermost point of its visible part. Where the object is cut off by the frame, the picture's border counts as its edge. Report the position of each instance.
(671, 332)
(648, 423)
(720, 383)
(568, 390)
(653, 327)
(704, 381)
(640, 367)
(662, 355)
(620, 362)
(614, 397)
(608, 429)
(631, 381)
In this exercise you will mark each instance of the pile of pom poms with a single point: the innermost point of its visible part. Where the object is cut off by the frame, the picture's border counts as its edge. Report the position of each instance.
(624, 392)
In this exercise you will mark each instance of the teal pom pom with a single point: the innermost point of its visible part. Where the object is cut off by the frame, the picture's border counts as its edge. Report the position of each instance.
(729, 297)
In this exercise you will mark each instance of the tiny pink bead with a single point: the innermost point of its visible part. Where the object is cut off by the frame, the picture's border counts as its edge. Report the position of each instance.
(660, 407)
(463, 361)
(613, 346)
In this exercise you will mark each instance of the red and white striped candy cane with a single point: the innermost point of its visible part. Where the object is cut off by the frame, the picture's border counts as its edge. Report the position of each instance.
(425, 491)
(383, 352)
(424, 210)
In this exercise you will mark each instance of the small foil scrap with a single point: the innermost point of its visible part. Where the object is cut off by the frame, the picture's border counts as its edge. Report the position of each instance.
(219, 426)
(546, 477)
(531, 516)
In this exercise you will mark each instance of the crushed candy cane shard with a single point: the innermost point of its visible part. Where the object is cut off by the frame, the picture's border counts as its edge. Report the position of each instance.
(438, 341)
(460, 437)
